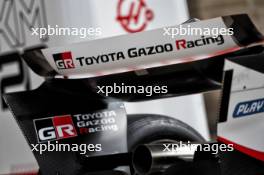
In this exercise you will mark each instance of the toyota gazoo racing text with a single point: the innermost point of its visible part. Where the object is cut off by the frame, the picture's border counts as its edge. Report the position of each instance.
(66, 61)
(67, 126)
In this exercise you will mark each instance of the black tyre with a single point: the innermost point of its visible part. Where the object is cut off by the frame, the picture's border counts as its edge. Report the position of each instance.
(149, 128)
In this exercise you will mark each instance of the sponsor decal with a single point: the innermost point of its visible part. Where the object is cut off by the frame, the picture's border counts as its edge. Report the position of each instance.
(249, 108)
(55, 128)
(96, 122)
(64, 60)
(67, 126)
(134, 15)
(183, 44)
(131, 53)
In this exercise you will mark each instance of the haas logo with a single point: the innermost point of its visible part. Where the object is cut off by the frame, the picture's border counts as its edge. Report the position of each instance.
(54, 128)
(133, 15)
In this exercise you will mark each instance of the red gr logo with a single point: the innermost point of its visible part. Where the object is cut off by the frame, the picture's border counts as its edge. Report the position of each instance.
(54, 128)
(133, 15)
(64, 60)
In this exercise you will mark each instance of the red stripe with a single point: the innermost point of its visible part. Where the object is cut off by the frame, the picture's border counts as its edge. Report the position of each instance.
(256, 154)
(222, 52)
(25, 173)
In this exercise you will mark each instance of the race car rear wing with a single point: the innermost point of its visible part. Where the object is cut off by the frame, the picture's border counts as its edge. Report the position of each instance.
(184, 70)
(143, 50)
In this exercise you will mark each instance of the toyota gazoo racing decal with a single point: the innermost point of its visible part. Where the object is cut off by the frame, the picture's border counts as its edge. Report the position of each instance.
(137, 51)
(65, 61)
(67, 126)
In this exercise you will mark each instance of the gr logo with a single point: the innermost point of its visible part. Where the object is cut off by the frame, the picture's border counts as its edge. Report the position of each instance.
(55, 128)
(64, 60)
